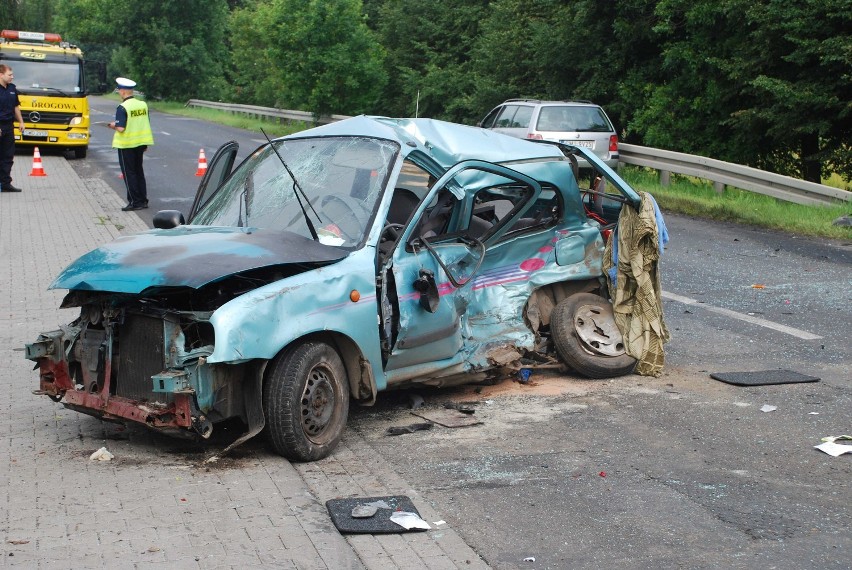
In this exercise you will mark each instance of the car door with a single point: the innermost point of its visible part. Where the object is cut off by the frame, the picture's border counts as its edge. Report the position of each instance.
(218, 170)
(441, 251)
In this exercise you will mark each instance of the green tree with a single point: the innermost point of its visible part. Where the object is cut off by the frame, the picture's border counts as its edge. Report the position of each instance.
(256, 77)
(9, 14)
(429, 58)
(764, 83)
(797, 74)
(174, 49)
(326, 58)
(36, 16)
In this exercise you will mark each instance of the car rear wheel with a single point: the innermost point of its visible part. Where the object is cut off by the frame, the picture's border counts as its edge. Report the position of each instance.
(306, 401)
(587, 338)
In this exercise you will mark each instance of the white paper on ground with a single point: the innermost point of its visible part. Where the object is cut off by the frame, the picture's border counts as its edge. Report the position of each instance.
(408, 520)
(834, 449)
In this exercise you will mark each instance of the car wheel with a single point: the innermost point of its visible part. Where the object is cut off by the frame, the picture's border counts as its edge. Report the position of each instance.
(81, 152)
(306, 401)
(587, 338)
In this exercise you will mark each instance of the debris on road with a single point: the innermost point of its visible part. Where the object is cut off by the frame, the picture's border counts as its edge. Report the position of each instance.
(463, 408)
(409, 521)
(394, 514)
(101, 455)
(366, 511)
(768, 408)
(829, 446)
(448, 418)
(762, 377)
(400, 430)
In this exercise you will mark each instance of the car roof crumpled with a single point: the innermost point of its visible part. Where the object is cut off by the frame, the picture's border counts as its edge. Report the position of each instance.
(446, 143)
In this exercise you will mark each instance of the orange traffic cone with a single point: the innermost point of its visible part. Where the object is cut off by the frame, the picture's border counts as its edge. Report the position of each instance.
(38, 169)
(202, 163)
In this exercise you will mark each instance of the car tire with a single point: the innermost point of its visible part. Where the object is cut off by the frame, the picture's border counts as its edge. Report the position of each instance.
(306, 401)
(80, 153)
(587, 339)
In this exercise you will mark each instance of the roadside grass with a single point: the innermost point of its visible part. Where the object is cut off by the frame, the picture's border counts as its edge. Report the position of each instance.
(272, 128)
(685, 195)
(696, 197)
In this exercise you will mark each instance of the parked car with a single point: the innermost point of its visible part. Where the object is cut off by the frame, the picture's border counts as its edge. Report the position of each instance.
(333, 264)
(578, 123)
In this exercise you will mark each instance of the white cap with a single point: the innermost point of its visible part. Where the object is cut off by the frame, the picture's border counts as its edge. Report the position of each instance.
(124, 83)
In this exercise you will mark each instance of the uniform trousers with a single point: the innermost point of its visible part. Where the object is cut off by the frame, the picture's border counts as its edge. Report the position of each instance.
(7, 153)
(130, 160)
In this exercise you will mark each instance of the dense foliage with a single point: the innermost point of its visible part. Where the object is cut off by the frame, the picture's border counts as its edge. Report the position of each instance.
(761, 82)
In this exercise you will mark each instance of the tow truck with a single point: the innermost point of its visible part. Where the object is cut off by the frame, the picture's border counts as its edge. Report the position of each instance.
(52, 87)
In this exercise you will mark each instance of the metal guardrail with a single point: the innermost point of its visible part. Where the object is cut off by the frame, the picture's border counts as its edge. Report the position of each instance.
(666, 161)
(730, 174)
(266, 112)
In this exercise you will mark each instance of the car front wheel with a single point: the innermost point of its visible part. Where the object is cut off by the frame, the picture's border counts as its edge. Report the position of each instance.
(587, 338)
(306, 401)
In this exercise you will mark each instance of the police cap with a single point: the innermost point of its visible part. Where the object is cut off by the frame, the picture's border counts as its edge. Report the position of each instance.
(124, 83)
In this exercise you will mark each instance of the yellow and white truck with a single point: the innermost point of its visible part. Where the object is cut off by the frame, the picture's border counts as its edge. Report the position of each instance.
(52, 87)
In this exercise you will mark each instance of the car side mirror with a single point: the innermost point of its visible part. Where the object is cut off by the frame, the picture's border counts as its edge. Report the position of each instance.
(168, 219)
(428, 289)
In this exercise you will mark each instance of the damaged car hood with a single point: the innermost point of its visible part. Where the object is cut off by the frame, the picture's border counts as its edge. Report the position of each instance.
(188, 256)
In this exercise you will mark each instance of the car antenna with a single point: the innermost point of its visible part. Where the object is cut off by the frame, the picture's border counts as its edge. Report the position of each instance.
(297, 190)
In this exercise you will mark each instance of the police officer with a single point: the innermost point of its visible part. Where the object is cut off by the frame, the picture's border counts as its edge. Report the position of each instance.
(132, 138)
(10, 111)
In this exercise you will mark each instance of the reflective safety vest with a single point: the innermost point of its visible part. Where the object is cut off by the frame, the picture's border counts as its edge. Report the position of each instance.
(138, 129)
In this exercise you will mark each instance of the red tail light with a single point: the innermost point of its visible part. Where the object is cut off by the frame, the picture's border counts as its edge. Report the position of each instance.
(535, 137)
(613, 143)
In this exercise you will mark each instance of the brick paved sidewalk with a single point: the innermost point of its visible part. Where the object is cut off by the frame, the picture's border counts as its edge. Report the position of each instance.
(155, 504)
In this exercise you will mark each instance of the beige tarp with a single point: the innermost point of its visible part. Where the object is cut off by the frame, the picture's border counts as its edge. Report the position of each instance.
(637, 303)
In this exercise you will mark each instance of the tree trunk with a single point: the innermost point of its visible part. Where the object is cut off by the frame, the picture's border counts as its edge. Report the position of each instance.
(811, 167)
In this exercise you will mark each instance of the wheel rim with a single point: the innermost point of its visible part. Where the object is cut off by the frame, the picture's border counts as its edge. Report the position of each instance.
(595, 327)
(318, 402)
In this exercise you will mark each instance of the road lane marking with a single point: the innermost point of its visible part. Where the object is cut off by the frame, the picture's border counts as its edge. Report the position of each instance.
(804, 335)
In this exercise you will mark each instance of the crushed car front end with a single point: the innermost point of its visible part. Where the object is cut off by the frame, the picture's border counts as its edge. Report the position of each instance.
(137, 363)
(139, 349)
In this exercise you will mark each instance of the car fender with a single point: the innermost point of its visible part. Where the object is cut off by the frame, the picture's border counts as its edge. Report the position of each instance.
(338, 298)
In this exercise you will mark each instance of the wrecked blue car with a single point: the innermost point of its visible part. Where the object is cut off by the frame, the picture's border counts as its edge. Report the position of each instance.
(333, 264)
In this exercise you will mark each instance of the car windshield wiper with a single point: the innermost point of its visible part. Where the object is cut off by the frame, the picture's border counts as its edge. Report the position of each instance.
(297, 190)
(245, 196)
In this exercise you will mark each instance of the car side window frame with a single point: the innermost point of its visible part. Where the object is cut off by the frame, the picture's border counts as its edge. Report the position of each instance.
(508, 115)
(219, 169)
(522, 117)
(490, 118)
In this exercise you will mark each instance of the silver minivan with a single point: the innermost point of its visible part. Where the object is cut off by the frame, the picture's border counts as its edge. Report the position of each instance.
(579, 123)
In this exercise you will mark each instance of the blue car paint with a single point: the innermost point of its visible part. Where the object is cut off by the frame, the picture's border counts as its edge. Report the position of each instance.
(188, 256)
(259, 323)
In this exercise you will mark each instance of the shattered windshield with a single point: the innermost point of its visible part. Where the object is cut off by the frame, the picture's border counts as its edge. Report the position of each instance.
(341, 177)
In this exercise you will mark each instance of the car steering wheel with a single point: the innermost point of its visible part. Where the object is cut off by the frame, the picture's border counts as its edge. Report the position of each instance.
(347, 218)
(392, 231)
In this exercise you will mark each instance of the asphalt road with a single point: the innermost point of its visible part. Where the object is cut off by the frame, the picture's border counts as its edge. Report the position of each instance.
(680, 471)
(170, 164)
